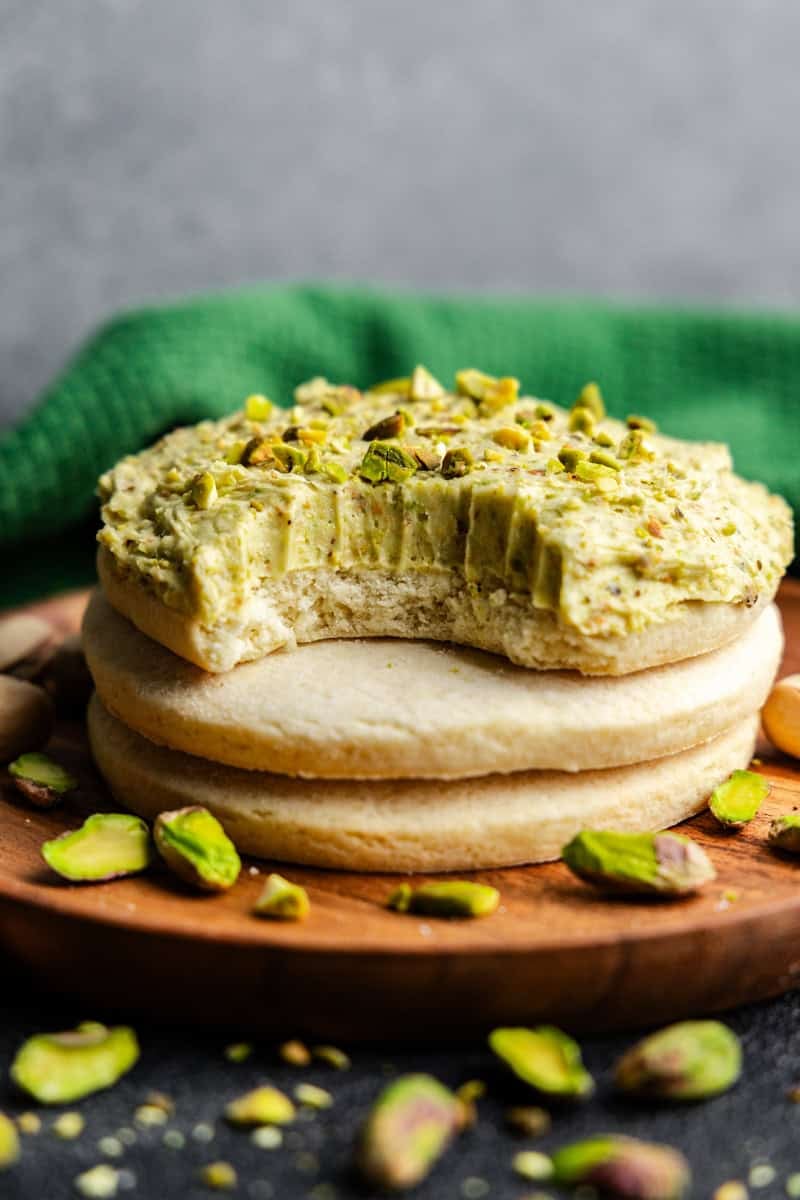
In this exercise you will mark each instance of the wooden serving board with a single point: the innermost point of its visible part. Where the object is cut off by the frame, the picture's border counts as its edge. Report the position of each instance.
(354, 971)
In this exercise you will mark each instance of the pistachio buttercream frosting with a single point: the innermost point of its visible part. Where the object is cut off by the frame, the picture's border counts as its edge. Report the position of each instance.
(606, 526)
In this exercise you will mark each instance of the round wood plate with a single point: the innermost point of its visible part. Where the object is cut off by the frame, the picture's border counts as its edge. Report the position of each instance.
(555, 950)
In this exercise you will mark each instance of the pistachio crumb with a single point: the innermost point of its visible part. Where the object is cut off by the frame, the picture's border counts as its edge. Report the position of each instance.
(533, 1165)
(174, 1139)
(149, 1115)
(792, 1186)
(29, 1123)
(761, 1175)
(219, 1176)
(238, 1052)
(98, 1182)
(295, 1053)
(332, 1056)
(110, 1147)
(267, 1137)
(734, 1189)
(68, 1126)
(312, 1096)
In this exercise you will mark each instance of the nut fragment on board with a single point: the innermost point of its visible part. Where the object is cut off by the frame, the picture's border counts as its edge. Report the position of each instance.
(664, 864)
(738, 799)
(451, 898)
(107, 846)
(197, 849)
(264, 1105)
(40, 779)
(282, 900)
(691, 1060)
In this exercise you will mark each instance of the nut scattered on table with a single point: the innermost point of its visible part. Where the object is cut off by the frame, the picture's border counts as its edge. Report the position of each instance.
(26, 717)
(691, 1060)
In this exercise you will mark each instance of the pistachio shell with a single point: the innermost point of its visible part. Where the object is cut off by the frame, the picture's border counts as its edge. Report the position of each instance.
(263, 1106)
(665, 864)
(9, 1142)
(408, 1129)
(57, 1068)
(106, 846)
(624, 1167)
(738, 799)
(690, 1060)
(194, 845)
(545, 1058)
(282, 900)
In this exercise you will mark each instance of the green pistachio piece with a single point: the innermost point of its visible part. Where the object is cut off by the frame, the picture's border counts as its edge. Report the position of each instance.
(219, 1176)
(194, 845)
(457, 462)
(257, 407)
(591, 398)
(411, 1124)
(106, 846)
(581, 420)
(591, 472)
(529, 1120)
(423, 385)
(262, 1106)
(203, 490)
(391, 387)
(691, 1060)
(624, 1167)
(282, 901)
(644, 423)
(384, 463)
(333, 1057)
(665, 864)
(603, 438)
(57, 1068)
(533, 1166)
(784, 833)
(492, 394)
(334, 471)
(512, 437)
(9, 1142)
(570, 456)
(40, 779)
(260, 452)
(554, 467)
(313, 463)
(544, 411)
(295, 1053)
(389, 427)
(635, 447)
(604, 459)
(738, 799)
(545, 1058)
(289, 457)
(427, 459)
(453, 898)
(291, 434)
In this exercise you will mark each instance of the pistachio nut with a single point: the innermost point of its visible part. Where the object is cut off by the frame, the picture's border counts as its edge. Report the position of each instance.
(409, 1127)
(738, 799)
(491, 393)
(257, 407)
(384, 463)
(238, 1052)
(581, 420)
(590, 397)
(203, 490)
(21, 636)
(635, 447)
(781, 715)
(452, 898)
(219, 1176)
(457, 463)
(311, 1096)
(545, 1058)
(529, 1120)
(332, 1056)
(391, 387)
(423, 385)
(289, 458)
(512, 437)
(282, 900)
(57, 1068)
(784, 833)
(295, 1053)
(467, 1095)
(98, 1183)
(427, 459)
(623, 1167)
(334, 471)
(570, 456)
(194, 845)
(26, 717)
(9, 1142)
(40, 779)
(605, 459)
(264, 1105)
(643, 423)
(665, 864)
(691, 1060)
(533, 1165)
(390, 427)
(555, 467)
(544, 411)
(107, 846)
(259, 452)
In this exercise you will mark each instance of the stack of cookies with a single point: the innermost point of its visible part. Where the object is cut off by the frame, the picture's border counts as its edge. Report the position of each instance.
(413, 629)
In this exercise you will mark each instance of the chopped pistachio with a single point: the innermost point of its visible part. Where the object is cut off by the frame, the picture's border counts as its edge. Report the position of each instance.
(738, 799)
(603, 438)
(295, 1053)
(644, 423)
(411, 1124)
(784, 833)
(605, 459)
(690, 1060)
(68, 1126)
(529, 1120)
(335, 471)
(9, 1143)
(733, 1189)
(391, 387)
(282, 901)
(594, 472)
(665, 864)
(427, 459)
(266, 1137)
(581, 420)
(635, 446)
(263, 1106)
(533, 1165)
(257, 407)
(107, 846)
(512, 437)
(384, 463)
(57, 1068)
(29, 1123)
(544, 1057)
(390, 427)
(493, 394)
(204, 490)
(98, 1183)
(311, 1096)
(259, 452)
(219, 1176)
(160, 1100)
(570, 456)
(457, 463)
(452, 898)
(40, 779)
(194, 845)
(622, 1166)
(544, 411)
(590, 397)
(238, 1052)
(289, 458)
(423, 385)
(150, 1115)
(540, 431)
(332, 1056)
(555, 467)
(729, 529)
(467, 1095)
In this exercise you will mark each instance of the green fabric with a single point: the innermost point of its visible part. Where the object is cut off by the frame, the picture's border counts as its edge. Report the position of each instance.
(701, 374)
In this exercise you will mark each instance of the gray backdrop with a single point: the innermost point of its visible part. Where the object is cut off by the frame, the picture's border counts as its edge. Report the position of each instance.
(148, 147)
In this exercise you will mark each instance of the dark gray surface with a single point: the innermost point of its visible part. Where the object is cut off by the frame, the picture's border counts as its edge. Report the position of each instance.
(723, 1138)
(151, 147)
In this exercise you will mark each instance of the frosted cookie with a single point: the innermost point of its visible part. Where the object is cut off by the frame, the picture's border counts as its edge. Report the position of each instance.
(414, 825)
(403, 709)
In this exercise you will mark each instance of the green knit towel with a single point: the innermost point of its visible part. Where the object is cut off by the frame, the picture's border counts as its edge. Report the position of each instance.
(701, 374)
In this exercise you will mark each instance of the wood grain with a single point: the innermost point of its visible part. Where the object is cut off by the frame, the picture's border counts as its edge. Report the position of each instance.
(354, 971)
